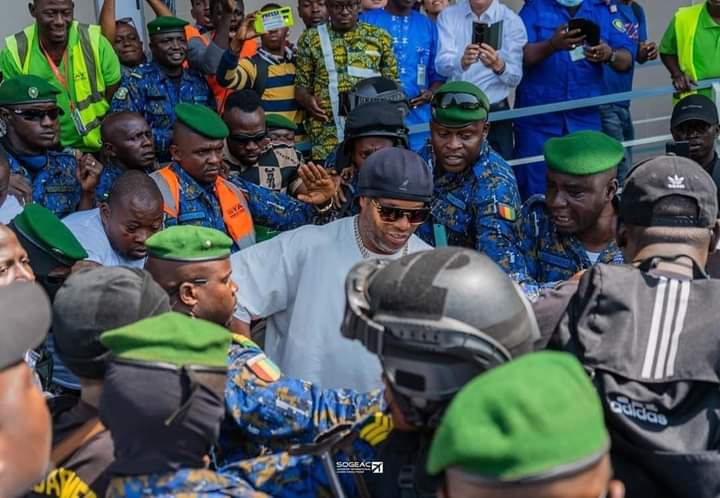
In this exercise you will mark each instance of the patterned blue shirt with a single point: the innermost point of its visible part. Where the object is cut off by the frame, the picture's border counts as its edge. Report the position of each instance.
(53, 180)
(476, 208)
(189, 483)
(148, 90)
(545, 256)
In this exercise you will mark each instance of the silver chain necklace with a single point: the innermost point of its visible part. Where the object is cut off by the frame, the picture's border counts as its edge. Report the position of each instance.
(361, 246)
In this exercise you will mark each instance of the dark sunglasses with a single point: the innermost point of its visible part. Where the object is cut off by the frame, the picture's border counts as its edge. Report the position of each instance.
(339, 7)
(196, 281)
(461, 100)
(390, 214)
(242, 138)
(38, 114)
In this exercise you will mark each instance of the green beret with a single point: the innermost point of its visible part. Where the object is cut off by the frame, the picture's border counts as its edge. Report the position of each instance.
(583, 153)
(166, 24)
(171, 338)
(530, 418)
(279, 121)
(27, 89)
(202, 120)
(189, 243)
(454, 116)
(41, 227)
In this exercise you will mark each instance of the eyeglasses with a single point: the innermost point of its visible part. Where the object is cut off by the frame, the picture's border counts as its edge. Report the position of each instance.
(241, 138)
(462, 100)
(339, 7)
(195, 281)
(39, 114)
(126, 20)
(390, 214)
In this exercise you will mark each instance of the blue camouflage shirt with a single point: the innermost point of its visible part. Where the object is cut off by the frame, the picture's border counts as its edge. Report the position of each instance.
(188, 483)
(148, 90)
(301, 473)
(476, 208)
(268, 411)
(546, 256)
(53, 180)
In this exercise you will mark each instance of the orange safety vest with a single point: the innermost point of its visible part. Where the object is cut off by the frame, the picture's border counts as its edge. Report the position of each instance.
(221, 93)
(236, 215)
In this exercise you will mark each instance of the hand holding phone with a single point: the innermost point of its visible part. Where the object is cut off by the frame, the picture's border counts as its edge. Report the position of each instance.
(681, 149)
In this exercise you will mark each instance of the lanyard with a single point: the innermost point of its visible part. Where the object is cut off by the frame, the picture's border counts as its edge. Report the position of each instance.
(62, 79)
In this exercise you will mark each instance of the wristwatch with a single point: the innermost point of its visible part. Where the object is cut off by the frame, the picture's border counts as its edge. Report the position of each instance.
(613, 57)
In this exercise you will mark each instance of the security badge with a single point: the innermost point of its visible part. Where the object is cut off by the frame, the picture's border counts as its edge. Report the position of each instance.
(33, 92)
(121, 93)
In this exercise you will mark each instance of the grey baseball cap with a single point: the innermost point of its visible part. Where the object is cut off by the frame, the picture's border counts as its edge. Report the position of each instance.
(396, 173)
(25, 312)
(654, 179)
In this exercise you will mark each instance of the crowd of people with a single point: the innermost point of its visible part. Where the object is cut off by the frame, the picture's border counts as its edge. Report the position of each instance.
(236, 264)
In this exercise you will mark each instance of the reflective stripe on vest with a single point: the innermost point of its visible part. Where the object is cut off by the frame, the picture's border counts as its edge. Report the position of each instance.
(333, 82)
(686, 23)
(236, 215)
(89, 90)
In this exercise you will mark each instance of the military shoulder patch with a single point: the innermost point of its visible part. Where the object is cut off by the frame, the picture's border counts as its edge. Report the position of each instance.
(506, 212)
(377, 428)
(263, 368)
(121, 93)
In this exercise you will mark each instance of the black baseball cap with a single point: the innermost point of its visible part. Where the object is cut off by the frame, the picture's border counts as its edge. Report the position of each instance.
(96, 300)
(652, 180)
(25, 312)
(694, 108)
(396, 173)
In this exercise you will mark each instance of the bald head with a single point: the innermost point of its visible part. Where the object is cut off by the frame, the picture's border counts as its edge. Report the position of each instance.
(132, 213)
(128, 141)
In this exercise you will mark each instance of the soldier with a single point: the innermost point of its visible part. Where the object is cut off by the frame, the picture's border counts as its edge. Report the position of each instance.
(89, 303)
(115, 233)
(57, 180)
(573, 226)
(437, 319)
(164, 385)
(195, 193)
(475, 201)
(505, 436)
(155, 88)
(193, 265)
(647, 332)
(24, 419)
(127, 145)
(53, 252)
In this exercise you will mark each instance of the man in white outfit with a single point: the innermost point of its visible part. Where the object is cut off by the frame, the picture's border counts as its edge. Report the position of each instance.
(296, 280)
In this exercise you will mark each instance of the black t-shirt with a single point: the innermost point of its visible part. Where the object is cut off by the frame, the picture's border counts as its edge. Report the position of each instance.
(83, 474)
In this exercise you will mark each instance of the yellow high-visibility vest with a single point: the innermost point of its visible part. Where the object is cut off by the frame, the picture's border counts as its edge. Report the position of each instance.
(89, 84)
(686, 24)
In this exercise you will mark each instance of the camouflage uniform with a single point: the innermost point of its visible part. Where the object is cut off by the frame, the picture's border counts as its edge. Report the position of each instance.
(546, 257)
(188, 483)
(301, 473)
(267, 411)
(366, 48)
(477, 208)
(200, 206)
(55, 184)
(148, 90)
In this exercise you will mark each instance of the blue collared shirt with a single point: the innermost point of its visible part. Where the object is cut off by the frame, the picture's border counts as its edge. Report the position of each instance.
(625, 21)
(415, 44)
(455, 27)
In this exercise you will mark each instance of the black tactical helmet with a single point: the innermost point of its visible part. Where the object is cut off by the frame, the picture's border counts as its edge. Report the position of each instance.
(376, 89)
(375, 119)
(436, 319)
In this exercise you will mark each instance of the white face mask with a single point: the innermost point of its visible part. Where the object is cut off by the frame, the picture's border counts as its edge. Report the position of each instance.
(569, 3)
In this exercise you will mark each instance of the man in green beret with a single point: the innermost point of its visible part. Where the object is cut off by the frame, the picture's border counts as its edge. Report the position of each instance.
(165, 384)
(30, 113)
(572, 227)
(76, 59)
(475, 199)
(195, 193)
(154, 89)
(193, 265)
(505, 436)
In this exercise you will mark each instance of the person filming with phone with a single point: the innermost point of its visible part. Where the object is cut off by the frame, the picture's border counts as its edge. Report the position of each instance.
(481, 42)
